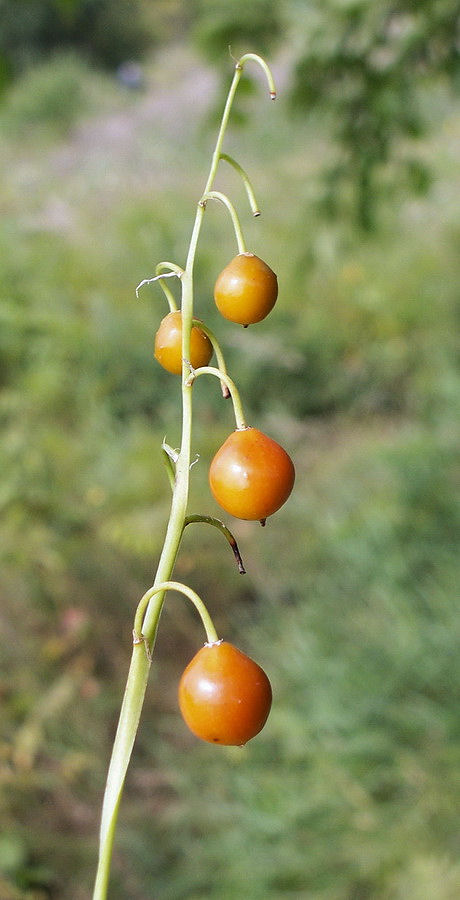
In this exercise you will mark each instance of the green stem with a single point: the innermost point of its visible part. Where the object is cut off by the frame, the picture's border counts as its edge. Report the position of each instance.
(234, 393)
(171, 270)
(208, 624)
(211, 520)
(263, 65)
(249, 189)
(127, 727)
(217, 350)
(228, 105)
(169, 267)
(168, 294)
(217, 195)
(140, 661)
(160, 279)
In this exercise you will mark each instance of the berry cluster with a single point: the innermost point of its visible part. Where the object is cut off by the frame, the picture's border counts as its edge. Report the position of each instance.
(224, 696)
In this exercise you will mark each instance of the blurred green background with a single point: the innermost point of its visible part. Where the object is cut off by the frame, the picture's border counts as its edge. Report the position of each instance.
(352, 790)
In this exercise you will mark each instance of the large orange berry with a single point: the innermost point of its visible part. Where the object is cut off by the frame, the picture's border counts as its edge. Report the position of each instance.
(168, 344)
(246, 290)
(224, 696)
(251, 475)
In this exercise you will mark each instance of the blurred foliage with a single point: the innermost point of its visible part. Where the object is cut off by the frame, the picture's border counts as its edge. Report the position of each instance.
(52, 96)
(364, 66)
(245, 27)
(351, 596)
(367, 70)
(107, 32)
(368, 63)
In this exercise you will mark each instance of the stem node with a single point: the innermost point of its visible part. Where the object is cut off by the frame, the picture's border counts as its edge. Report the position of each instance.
(140, 639)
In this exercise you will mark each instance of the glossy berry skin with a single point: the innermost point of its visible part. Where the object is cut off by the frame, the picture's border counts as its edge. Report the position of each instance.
(168, 344)
(224, 696)
(251, 475)
(246, 290)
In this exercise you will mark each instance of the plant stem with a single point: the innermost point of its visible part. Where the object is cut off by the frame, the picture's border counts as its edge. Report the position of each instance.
(140, 661)
(249, 189)
(218, 195)
(234, 393)
(217, 350)
(211, 520)
(192, 595)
